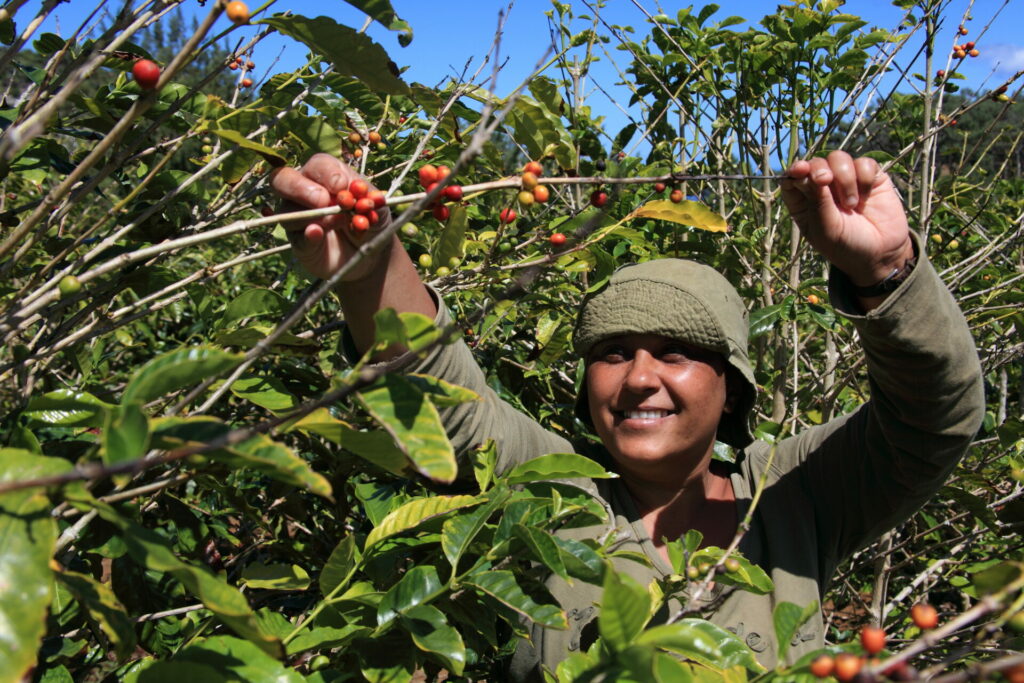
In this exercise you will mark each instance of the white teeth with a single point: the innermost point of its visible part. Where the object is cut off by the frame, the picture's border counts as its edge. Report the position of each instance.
(645, 414)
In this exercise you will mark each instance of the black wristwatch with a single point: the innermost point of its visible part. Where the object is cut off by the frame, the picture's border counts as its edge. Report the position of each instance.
(890, 282)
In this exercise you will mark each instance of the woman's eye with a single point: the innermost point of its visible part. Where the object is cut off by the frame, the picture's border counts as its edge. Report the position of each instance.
(675, 352)
(612, 354)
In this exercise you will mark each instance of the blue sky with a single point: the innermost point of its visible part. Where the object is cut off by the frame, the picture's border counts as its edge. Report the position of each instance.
(448, 36)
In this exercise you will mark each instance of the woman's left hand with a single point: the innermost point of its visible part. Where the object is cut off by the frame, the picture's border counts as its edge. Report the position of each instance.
(850, 212)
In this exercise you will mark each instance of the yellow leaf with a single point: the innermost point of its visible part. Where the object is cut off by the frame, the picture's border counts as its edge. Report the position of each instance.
(684, 213)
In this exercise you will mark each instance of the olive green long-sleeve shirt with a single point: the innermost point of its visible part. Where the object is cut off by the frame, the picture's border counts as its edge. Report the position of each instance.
(831, 489)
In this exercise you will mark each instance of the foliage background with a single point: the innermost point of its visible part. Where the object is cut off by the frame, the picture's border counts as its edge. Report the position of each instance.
(199, 521)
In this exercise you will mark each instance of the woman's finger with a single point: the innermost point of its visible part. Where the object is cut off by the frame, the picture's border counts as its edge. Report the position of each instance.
(293, 186)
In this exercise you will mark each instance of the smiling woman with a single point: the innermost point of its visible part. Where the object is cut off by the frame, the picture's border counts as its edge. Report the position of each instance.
(665, 344)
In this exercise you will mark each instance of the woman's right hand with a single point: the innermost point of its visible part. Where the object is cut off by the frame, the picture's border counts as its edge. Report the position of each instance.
(325, 244)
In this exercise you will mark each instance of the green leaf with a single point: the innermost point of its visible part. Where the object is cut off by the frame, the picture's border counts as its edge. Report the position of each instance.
(415, 512)
(382, 12)
(762, 320)
(237, 138)
(485, 460)
(686, 212)
(104, 608)
(414, 331)
(788, 618)
(581, 561)
(702, 642)
(543, 548)
(376, 447)
(326, 637)
(253, 303)
(431, 632)
(748, 576)
(27, 535)
(557, 466)
(260, 452)
(68, 408)
(501, 585)
(625, 609)
(266, 391)
(350, 52)
(175, 370)
(340, 565)
(406, 412)
(281, 577)
(151, 550)
(220, 659)
(453, 237)
(419, 585)
(1003, 576)
(459, 531)
(441, 393)
(125, 434)
(541, 132)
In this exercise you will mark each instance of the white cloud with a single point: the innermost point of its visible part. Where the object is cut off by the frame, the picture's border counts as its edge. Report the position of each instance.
(1005, 57)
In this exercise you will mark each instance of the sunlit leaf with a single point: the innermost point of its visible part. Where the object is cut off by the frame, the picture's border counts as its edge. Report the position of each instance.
(350, 52)
(625, 608)
(27, 534)
(431, 632)
(177, 369)
(501, 585)
(281, 577)
(405, 411)
(415, 512)
(236, 138)
(418, 586)
(68, 408)
(220, 659)
(686, 212)
(557, 466)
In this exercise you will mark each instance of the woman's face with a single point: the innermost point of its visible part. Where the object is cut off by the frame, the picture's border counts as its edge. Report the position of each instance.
(656, 403)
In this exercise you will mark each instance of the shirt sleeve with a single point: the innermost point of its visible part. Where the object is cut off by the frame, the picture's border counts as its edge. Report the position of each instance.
(517, 436)
(870, 470)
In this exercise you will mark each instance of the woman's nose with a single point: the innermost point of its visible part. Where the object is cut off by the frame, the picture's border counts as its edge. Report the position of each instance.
(642, 374)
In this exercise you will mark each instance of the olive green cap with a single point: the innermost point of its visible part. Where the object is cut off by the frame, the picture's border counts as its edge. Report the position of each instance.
(683, 300)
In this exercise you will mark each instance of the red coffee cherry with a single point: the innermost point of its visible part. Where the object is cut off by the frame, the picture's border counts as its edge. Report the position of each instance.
(359, 188)
(146, 73)
(924, 615)
(557, 239)
(360, 223)
(428, 175)
(872, 639)
(346, 199)
(507, 215)
(823, 666)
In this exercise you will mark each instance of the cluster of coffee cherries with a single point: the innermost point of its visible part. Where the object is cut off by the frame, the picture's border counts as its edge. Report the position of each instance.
(966, 49)
(430, 175)
(675, 196)
(246, 65)
(359, 141)
(531, 193)
(848, 666)
(363, 202)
